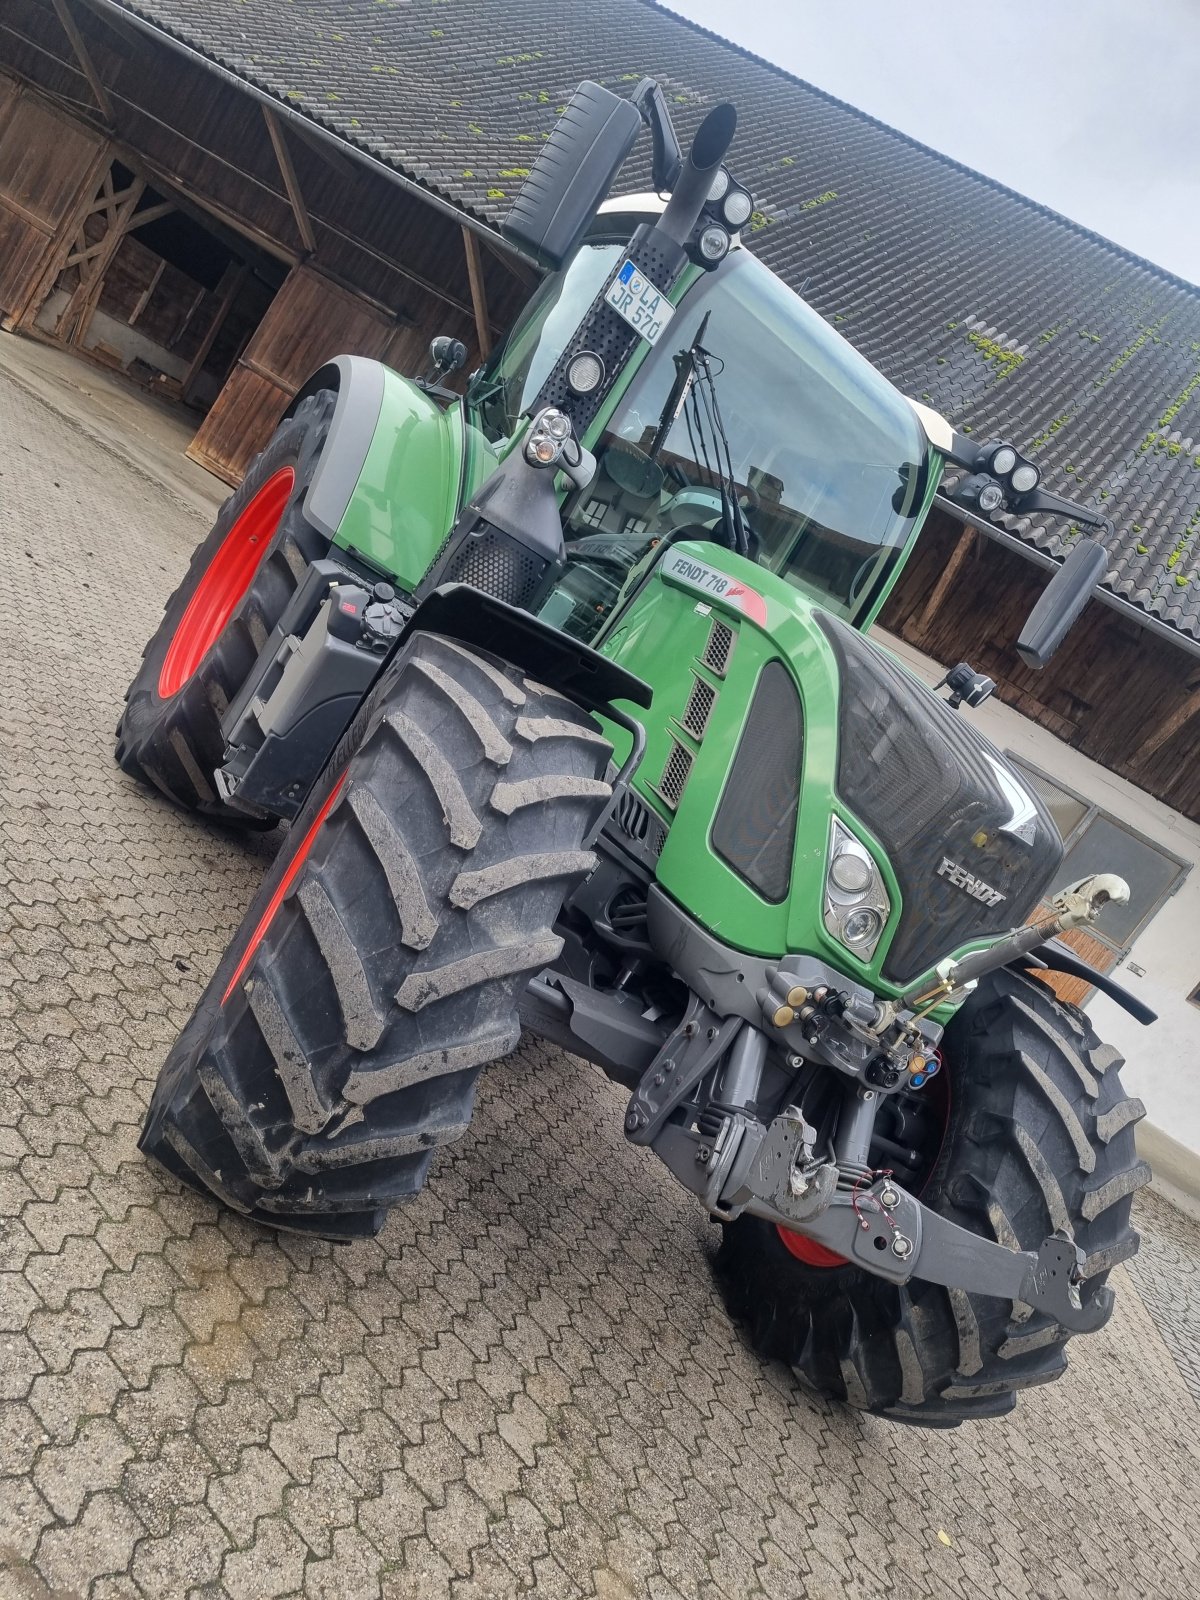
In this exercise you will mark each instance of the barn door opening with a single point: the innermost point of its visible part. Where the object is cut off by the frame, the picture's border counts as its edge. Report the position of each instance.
(147, 287)
(1096, 841)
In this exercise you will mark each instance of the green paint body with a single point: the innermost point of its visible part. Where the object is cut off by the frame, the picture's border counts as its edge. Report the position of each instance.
(425, 462)
(661, 635)
(410, 486)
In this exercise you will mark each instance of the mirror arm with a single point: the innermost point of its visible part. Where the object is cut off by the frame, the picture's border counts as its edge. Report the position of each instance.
(1042, 500)
(1061, 602)
(652, 106)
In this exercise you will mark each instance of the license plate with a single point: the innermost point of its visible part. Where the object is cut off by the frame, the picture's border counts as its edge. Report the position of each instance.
(645, 308)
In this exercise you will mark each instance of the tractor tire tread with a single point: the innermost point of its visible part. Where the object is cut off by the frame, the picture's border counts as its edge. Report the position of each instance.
(322, 1070)
(1041, 1136)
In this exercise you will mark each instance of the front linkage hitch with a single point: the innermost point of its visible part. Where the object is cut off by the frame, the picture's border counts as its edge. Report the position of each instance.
(772, 1172)
(736, 1163)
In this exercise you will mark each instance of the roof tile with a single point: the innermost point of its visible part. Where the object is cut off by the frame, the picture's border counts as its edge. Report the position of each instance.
(1008, 318)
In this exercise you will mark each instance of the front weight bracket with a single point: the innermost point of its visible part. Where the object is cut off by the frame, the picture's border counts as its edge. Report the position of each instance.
(891, 1234)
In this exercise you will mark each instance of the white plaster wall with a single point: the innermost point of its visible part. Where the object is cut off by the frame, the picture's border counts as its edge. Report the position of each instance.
(1163, 1061)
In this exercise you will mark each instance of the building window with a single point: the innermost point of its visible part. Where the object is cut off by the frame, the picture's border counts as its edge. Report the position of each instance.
(1096, 841)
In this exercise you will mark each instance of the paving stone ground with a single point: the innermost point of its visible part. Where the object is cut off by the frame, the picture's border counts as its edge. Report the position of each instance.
(527, 1383)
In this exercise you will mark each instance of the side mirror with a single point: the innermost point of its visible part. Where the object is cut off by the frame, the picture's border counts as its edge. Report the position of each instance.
(572, 174)
(1061, 602)
(447, 355)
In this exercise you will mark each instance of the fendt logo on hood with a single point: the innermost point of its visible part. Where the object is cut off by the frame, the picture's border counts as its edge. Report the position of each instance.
(975, 887)
(718, 585)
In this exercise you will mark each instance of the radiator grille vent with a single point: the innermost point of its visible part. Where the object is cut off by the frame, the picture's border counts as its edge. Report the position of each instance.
(635, 819)
(499, 566)
(719, 649)
(699, 708)
(675, 774)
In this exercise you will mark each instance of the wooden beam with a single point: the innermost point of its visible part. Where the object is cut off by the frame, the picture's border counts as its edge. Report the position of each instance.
(233, 284)
(1168, 727)
(483, 331)
(80, 308)
(343, 165)
(146, 294)
(152, 214)
(85, 61)
(915, 629)
(290, 181)
(124, 30)
(523, 271)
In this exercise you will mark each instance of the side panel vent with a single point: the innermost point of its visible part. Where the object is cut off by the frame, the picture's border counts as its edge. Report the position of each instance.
(754, 830)
(499, 566)
(675, 774)
(719, 650)
(699, 708)
(636, 820)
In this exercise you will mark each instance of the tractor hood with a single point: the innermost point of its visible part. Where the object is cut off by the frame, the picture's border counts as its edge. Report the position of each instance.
(777, 729)
(971, 846)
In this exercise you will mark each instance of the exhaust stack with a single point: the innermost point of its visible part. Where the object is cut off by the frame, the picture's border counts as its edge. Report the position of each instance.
(709, 148)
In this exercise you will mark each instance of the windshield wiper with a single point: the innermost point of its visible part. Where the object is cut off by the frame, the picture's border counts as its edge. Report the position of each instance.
(694, 397)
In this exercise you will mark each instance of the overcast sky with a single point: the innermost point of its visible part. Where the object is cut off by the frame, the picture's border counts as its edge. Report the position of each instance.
(1090, 106)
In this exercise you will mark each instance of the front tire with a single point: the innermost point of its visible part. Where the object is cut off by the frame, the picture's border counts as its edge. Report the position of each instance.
(379, 969)
(240, 580)
(1040, 1136)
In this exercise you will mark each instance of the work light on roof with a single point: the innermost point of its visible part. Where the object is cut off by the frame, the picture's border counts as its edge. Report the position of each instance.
(736, 207)
(714, 244)
(719, 186)
(1004, 460)
(585, 373)
(990, 496)
(1025, 478)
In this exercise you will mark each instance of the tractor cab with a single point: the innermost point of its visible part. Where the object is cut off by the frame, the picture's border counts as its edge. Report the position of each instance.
(831, 468)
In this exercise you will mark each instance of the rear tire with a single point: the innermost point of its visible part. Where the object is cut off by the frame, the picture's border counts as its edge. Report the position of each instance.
(379, 969)
(169, 734)
(1040, 1136)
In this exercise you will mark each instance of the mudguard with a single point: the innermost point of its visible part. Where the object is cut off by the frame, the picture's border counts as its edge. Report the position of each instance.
(388, 483)
(359, 383)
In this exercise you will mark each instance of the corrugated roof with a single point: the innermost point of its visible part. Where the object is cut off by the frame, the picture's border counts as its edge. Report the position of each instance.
(1008, 318)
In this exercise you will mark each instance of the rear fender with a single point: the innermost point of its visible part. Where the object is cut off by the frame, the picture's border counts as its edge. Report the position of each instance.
(388, 482)
(359, 383)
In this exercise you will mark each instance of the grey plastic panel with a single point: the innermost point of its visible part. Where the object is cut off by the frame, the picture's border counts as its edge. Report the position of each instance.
(355, 418)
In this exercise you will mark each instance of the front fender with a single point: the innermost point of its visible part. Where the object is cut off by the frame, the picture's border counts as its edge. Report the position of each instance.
(389, 479)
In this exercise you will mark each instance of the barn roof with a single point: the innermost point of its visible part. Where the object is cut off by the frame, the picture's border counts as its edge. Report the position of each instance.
(1002, 314)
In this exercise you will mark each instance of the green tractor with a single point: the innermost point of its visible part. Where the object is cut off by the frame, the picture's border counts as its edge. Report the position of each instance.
(564, 688)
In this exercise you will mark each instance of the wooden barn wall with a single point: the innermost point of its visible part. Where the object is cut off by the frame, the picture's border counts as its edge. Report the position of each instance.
(47, 162)
(210, 141)
(1115, 691)
(309, 320)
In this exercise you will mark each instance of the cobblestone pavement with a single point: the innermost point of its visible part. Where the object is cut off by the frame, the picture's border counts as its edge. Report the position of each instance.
(527, 1382)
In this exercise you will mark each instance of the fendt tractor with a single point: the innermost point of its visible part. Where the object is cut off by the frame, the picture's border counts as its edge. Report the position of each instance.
(564, 688)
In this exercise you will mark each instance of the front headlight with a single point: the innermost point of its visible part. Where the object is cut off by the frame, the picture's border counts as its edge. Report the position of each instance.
(857, 906)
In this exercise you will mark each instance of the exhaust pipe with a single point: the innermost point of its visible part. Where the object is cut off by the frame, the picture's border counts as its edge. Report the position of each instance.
(712, 141)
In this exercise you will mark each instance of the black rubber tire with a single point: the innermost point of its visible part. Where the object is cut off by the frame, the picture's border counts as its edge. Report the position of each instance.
(175, 743)
(350, 1044)
(1040, 1136)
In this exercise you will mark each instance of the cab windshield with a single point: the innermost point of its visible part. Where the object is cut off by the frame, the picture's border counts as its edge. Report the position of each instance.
(828, 460)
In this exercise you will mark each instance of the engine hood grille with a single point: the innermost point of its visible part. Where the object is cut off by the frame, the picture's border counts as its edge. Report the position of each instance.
(971, 846)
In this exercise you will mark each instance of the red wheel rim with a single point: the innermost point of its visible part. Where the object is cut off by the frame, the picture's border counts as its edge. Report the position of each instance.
(808, 1250)
(813, 1254)
(224, 584)
(285, 883)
